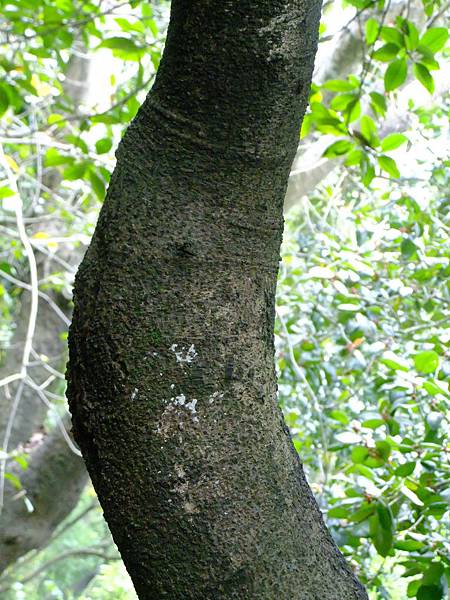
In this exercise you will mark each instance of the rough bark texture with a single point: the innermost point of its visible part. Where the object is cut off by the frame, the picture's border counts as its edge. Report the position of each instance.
(171, 377)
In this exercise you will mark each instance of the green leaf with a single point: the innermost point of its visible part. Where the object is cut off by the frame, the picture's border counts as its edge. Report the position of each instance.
(353, 158)
(433, 574)
(395, 74)
(423, 75)
(405, 470)
(386, 53)
(4, 100)
(384, 515)
(6, 192)
(435, 38)
(367, 170)
(53, 158)
(411, 495)
(75, 171)
(14, 480)
(341, 101)
(123, 48)
(369, 130)
(427, 59)
(378, 102)
(339, 85)
(382, 538)
(426, 362)
(389, 165)
(408, 248)
(393, 141)
(338, 149)
(119, 43)
(392, 35)
(411, 35)
(409, 545)
(340, 416)
(98, 184)
(78, 142)
(338, 512)
(429, 592)
(362, 514)
(359, 454)
(104, 145)
(128, 26)
(373, 423)
(353, 111)
(436, 387)
(371, 30)
(383, 449)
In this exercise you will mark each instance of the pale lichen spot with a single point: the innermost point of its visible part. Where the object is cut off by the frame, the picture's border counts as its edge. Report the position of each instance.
(190, 508)
(180, 472)
(184, 356)
(173, 418)
(215, 396)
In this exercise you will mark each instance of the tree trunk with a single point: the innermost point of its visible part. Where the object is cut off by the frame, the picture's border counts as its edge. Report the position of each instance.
(172, 383)
(53, 481)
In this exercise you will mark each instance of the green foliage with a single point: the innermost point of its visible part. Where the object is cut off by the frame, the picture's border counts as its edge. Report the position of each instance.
(363, 350)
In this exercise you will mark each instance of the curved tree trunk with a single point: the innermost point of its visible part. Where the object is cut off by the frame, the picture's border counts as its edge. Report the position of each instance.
(171, 378)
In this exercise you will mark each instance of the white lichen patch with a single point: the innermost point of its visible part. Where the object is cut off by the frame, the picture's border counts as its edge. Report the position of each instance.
(190, 508)
(172, 417)
(215, 396)
(180, 472)
(191, 406)
(184, 356)
(181, 401)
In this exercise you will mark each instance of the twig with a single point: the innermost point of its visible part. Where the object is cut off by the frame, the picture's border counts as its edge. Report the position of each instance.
(32, 317)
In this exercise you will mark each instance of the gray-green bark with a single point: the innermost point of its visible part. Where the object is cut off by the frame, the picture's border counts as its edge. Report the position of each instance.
(171, 378)
(53, 481)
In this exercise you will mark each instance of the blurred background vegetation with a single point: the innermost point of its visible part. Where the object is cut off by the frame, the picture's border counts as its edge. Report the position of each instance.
(362, 331)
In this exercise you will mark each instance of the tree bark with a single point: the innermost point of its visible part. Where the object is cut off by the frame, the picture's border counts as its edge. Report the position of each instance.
(53, 482)
(172, 384)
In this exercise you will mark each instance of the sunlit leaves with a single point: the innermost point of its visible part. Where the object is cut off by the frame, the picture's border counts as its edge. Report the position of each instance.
(338, 148)
(427, 361)
(386, 53)
(371, 30)
(103, 145)
(434, 38)
(395, 74)
(123, 47)
(381, 528)
(423, 75)
(393, 141)
(389, 165)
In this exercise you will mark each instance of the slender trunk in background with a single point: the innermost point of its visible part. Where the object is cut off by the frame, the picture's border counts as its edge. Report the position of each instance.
(52, 499)
(172, 383)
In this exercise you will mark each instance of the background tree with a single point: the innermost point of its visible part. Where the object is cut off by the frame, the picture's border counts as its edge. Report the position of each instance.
(60, 219)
